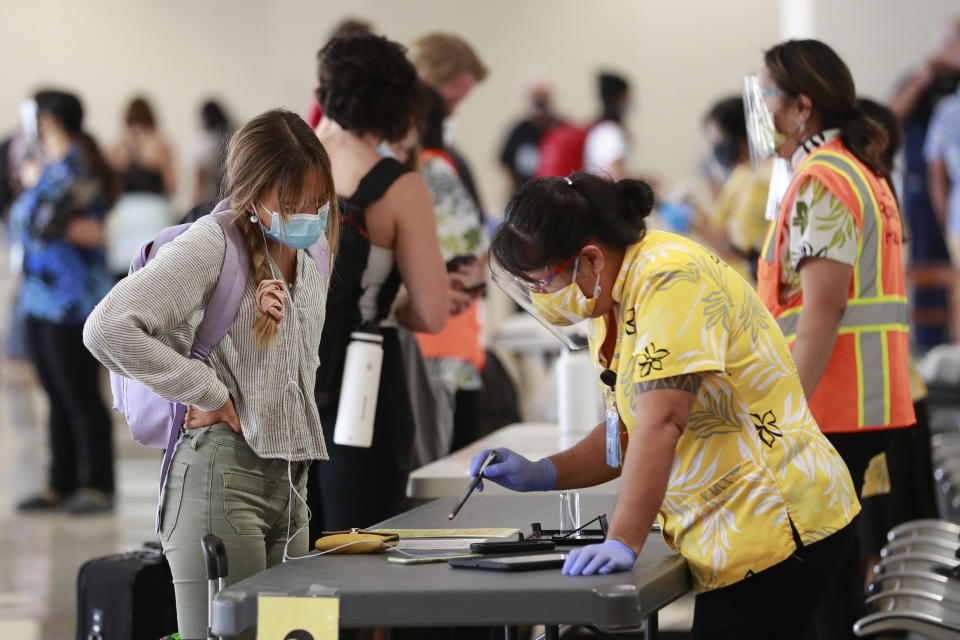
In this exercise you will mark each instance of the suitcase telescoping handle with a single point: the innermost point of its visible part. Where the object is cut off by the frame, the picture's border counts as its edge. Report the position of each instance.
(96, 625)
(215, 559)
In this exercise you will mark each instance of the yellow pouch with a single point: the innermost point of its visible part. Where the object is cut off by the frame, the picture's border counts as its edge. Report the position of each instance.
(356, 541)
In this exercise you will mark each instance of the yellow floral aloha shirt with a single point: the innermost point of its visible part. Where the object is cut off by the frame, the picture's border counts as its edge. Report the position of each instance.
(752, 460)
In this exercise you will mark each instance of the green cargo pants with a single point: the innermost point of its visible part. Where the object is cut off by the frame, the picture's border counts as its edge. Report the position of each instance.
(217, 484)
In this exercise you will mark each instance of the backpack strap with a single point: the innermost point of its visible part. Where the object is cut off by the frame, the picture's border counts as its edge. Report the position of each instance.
(149, 250)
(387, 295)
(373, 185)
(222, 307)
(371, 188)
(218, 314)
(320, 252)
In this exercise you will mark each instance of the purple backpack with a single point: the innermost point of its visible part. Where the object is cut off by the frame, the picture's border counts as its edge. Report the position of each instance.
(154, 421)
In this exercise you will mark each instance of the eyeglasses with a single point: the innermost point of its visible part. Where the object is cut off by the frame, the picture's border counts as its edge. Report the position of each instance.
(776, 91)
(577, 536)
(539, 286)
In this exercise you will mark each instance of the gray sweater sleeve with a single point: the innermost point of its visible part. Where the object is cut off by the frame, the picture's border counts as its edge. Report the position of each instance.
(123, 331)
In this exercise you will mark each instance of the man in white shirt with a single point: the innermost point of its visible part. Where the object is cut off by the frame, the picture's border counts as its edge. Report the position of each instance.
(607, 144)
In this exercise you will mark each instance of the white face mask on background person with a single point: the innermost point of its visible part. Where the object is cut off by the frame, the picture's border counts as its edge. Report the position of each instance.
(449, 127)
(28, 120)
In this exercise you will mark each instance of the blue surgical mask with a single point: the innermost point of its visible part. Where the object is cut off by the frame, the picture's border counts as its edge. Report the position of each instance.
(300, 230)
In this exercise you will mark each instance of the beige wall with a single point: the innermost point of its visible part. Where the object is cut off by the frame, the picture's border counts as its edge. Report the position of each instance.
(881, 40)
(680, 54)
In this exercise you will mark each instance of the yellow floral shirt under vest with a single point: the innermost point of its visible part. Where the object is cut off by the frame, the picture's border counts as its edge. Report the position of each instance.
(752, 459)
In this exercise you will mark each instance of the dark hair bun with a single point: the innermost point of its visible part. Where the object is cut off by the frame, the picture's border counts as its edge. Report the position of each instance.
(551, 219)
(637, 198)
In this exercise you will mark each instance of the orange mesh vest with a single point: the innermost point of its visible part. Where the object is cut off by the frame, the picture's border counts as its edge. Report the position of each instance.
(866, 384)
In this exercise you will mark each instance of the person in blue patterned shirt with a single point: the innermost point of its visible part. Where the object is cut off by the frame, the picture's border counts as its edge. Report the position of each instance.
(59, 220)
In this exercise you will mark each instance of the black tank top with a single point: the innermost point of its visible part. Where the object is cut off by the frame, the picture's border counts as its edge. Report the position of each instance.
(139, 179)
(343, 299)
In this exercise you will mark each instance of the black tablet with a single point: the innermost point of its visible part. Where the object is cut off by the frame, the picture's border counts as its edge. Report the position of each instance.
(572, 541)
(516, 562)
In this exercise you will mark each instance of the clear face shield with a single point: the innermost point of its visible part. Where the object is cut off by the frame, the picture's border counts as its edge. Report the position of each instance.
(553, 306)
(761, 133)
(764, 141)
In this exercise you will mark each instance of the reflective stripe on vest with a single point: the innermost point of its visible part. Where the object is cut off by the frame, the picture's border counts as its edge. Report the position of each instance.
(873, 385)
(867, 276)
(866, 314)
(770, 243)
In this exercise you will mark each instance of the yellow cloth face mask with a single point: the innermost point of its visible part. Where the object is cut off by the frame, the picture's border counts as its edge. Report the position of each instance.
(568, 305)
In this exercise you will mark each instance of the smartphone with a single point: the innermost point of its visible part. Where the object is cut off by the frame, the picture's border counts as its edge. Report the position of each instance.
(476, 287)
(456, 262)
(524, 562)
(512, 546)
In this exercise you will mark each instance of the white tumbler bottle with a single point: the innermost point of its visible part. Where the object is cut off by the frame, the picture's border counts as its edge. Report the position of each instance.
(579, 409)
(358, 391)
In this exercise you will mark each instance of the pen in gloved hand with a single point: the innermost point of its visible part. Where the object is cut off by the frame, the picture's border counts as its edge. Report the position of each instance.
(473, 485)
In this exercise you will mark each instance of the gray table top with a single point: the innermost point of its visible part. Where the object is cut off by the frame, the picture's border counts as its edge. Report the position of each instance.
(376, 593)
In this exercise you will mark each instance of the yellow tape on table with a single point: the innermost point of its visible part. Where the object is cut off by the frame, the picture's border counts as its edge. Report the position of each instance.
(282, 618)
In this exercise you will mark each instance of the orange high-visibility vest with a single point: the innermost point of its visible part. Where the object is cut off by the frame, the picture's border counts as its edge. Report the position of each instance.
(866, 384)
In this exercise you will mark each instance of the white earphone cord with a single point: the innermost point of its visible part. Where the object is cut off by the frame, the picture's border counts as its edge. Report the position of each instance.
(283, 414)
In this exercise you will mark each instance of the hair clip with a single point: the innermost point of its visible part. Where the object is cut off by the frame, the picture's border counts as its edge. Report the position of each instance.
(569, 181)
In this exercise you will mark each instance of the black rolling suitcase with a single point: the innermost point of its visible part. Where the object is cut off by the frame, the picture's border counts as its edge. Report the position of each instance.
(128, 596)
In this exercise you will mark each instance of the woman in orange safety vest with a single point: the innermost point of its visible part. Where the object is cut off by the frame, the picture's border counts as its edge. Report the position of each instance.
(831, 273)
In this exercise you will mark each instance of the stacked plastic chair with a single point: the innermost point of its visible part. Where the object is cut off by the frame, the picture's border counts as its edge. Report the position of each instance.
(946, 472)
(917, 581)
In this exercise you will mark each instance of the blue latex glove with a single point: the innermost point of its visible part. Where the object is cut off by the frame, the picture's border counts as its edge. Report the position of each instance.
(511, 470)
(609, 557)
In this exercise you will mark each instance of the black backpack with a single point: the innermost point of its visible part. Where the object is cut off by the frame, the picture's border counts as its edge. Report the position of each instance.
(343, 298)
